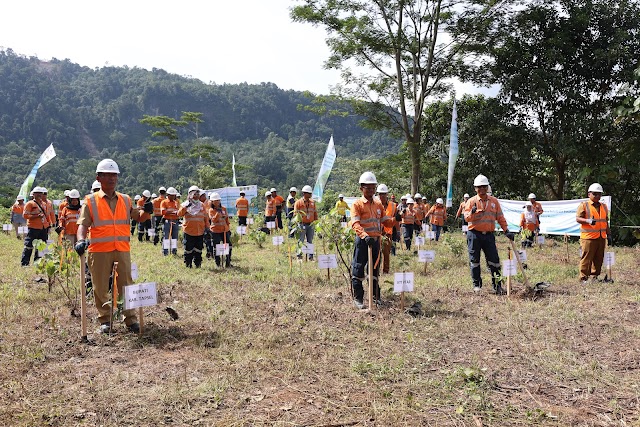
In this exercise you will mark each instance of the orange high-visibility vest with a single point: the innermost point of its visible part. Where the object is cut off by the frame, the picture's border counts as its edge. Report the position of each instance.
(242, 206)
(157, 211)
(391, 213)
(308, 209)
(408, 216)
(437, 215)
(367, 218)
(69, 220)
(270, 208)
(588, 231)
(109, 231)
(169, 209)
(31, 213)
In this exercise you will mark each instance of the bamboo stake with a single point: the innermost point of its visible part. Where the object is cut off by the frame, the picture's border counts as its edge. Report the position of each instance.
(83, 299)
(509, 277)
(370, 265)
(114, 292)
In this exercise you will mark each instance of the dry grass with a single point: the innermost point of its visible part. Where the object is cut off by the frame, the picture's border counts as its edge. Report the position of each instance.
(257, 346)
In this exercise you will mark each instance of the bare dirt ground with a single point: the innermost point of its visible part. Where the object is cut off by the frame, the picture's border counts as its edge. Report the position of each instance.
(259, 346)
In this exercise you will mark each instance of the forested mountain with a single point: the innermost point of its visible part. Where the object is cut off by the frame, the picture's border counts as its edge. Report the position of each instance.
(93, 113)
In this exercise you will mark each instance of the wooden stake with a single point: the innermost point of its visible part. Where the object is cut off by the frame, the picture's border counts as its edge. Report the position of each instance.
(83, 298)
(524, 275)
(114, 288)
(509, 277)
(141, 321)
(290, 260)
(370, 265)
(566, 244)
(402, 301)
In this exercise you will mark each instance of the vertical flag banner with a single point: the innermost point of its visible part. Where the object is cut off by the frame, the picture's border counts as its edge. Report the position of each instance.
(47, 155)
(233, 168)
(453, 153)
(325, 169)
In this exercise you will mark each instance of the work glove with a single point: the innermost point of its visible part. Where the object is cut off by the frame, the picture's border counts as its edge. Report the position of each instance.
(510, 235)
(609, 240)
(81, 246)
(370, 241)
(186, 204)
(592, 222)
(474, 209)
(59, 229)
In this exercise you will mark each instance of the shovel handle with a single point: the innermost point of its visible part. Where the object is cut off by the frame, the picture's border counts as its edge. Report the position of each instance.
(83, 298)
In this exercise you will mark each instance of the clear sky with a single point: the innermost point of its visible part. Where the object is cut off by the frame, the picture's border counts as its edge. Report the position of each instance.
(219, 41)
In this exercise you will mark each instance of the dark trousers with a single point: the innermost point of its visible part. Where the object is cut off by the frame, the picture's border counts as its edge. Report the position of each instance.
(133, 226)
(437, 229)
(170, 232)
(476, 242)
(359, 267)
(193, 250)
(142, 230)
(33, 234)
(279, 219)
(208, 242)
(242, 220)
(219, 238)
(407, 234)
(157, 224)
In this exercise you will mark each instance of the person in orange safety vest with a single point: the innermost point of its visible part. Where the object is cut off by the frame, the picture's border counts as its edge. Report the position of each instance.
(221, 233)
(105, 219)
(593, 217)
(461, 211)
(145, 205)
(196, 221)
(390, 210)
(529, 221)
(269, 209)
(169, 210)
(17, 220)
(307, 207)
(38, 217)
(68, 217)
(368, 217)
(242, 209)
(157, 214)
(437, 217)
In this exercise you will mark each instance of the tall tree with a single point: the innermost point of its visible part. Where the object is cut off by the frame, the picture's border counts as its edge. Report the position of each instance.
(559, 64)
(400, 54)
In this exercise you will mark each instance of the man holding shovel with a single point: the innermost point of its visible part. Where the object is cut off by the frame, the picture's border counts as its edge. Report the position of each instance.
(593, 218)
(368, 217)
(108, 214)
(481, 212)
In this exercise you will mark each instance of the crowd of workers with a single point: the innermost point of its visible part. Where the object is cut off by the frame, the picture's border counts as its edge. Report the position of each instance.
(104, 221)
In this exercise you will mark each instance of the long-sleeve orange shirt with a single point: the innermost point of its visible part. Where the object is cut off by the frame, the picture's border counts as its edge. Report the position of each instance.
(270, 207)
(368, 217)
(169, 209)
(68, 219)
(308, 209)
(530, 223)
(219, 219)
(487, 213)
(242, 206)
(195, 220)
(461, 208)
(36, 214)
(437, 215)
(143, 215)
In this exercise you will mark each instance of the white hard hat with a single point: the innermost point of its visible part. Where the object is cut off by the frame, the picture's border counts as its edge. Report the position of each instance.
(466, 195)
(273, 190)
(528, 203)
(382, 188)
(367, 178)
(154, 195)
(267, 193)
(44, 190)
(340, 196)
(595, 188)
(178, 195)
(137, 197)
(107, 165)
(161, 189)
(96, 185)
(66, 193)
(405, 197)
(172, 191)
(193, 188)
(410, 200)
(307, 189)
(146, 193)
(439, 200)
(531, 196)
(418, 196)
(37, 190)
(293, 189)
(20, 197)
(215, 196)
(74, 194)
(480, 180)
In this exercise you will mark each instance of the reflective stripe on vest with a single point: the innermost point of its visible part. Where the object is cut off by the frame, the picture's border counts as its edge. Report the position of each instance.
(242, 205)
(109, 230)
(220, 223)
(588, 231)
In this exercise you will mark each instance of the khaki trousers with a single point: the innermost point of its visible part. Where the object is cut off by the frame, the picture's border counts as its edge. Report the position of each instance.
(592, 257)
(386, 254)
(101, 265)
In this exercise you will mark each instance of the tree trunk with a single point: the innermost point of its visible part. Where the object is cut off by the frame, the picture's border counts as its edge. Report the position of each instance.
(414, 156)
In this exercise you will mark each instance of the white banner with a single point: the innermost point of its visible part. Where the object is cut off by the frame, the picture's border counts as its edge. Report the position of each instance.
(559, 216)
(229, 195)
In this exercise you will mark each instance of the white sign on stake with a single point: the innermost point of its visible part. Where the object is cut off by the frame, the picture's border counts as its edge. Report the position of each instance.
(151, 232)
(609, 259)
(134, 271)
(140, 295)
(431, 235)
(7, 227)
(249, 221)
(425, 227)
(541, 240)
(419, 241)
(343, 224)
(23, 230)
(327, 261)
(426, 256)
(241, 230)
(465, 228)
(509, 267)
(403, 282)
(522, 254)
(271, 225)
(277, 240)
(222, 249)
(308, 248)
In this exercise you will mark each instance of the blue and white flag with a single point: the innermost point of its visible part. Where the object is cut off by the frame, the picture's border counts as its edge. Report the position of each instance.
(233, 168)
(453, 153)
(325, 169)
(48, 154)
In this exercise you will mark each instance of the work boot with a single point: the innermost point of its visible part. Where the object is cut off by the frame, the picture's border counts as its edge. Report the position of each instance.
(498, 290)
(134, 327)
(358, 303)
(105, 327)
(477, 289)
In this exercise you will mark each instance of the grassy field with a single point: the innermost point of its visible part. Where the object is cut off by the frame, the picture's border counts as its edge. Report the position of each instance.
(258, 345)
